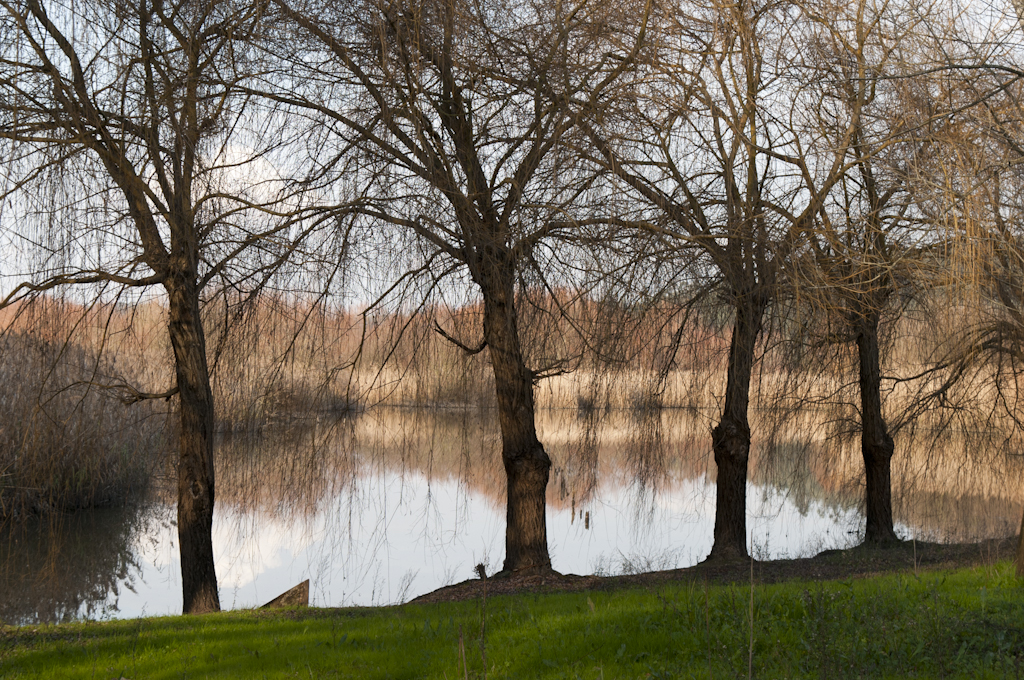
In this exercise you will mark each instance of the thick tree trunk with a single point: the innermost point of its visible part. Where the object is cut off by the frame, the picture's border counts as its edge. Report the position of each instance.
(527, 465)
(875, 443)
(730, 440)
(195, 462)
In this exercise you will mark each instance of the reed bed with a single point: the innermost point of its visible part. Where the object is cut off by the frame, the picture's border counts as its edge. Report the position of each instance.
(293, 375)
(66, 442)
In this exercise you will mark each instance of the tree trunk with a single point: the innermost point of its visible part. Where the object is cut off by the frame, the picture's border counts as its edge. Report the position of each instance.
(195, 462)
(527, 465)
(730, 440)
(875, 443)
(1020, 550)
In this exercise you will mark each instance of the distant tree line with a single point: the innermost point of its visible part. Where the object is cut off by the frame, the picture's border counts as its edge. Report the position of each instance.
(809, 166)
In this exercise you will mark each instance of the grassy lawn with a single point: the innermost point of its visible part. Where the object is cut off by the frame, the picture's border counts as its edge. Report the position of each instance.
(964, 623)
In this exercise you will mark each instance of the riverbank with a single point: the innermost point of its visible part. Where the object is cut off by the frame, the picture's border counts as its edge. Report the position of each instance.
(923, 622)
(858, 562)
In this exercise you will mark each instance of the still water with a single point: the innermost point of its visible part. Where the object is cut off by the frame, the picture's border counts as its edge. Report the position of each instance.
(387, 506)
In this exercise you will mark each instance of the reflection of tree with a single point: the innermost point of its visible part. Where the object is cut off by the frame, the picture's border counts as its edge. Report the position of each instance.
(69, 567)
(787, 465)
(645, 460)
(578, 473)
(652, 453)
(253, 474)
(959, 516)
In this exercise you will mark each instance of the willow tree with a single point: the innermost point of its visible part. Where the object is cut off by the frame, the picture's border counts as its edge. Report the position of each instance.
(709, 142)
(125, 142)
(870, 243)
(992, 134)
(457, 112)
(969, 105)
(996, 340)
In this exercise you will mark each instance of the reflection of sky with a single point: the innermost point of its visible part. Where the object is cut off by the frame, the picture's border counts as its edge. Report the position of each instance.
(392, 537)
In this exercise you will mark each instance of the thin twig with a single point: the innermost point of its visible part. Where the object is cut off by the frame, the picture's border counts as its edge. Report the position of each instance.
(468, 350)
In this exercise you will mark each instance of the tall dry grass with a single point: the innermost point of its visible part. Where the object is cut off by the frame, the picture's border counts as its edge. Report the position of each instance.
(66, 441)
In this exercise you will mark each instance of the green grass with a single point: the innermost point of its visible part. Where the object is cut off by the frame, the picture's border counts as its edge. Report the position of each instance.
(966, 623)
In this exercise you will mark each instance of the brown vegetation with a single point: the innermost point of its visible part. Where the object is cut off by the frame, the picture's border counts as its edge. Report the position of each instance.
(66, 442)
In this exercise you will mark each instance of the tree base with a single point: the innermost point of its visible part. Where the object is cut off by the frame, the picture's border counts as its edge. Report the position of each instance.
(726, 554)
(525, 572)
(883, 540)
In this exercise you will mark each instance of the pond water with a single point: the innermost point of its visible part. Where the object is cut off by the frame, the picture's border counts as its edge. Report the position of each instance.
(386, 506)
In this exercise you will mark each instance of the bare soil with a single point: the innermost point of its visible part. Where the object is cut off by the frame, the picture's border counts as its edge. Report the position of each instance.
(857, 562)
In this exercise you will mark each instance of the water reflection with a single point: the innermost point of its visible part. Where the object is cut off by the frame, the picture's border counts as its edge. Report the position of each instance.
(396, 503)
(71, 567)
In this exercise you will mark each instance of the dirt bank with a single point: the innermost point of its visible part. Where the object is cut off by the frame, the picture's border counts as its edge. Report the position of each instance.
(855, 562)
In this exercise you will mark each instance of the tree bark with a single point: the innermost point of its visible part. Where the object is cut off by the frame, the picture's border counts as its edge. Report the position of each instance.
(875, 443)
(195, 462)
(527, 465)
(730, 439)
(1020, 551)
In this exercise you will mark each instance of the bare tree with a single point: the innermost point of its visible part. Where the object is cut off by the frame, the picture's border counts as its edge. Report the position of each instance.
(127, 144)
(449, 106)
(709, 144)
(870, 245)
